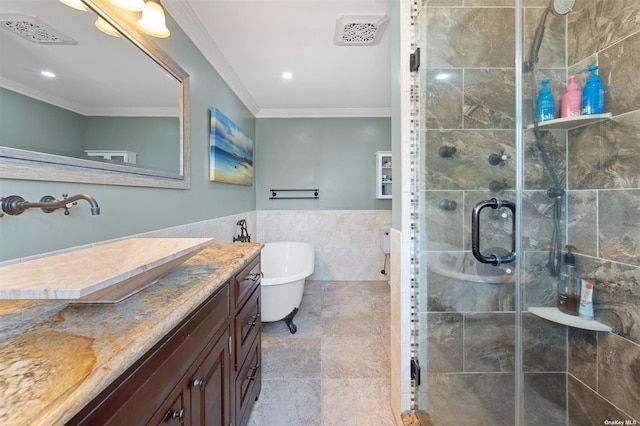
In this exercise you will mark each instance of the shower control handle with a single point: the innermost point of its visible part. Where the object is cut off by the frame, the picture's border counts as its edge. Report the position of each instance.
(497, 159)
(493, 258)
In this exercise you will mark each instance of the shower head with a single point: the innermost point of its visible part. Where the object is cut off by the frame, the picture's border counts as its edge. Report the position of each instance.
(558, 8)
(561, 7)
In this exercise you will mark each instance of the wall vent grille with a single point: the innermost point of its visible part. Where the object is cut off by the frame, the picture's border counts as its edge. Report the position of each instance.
(359, 30)
(33, 29)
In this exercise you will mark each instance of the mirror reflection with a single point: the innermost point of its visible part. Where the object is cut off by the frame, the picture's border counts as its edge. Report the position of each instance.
(68, 89)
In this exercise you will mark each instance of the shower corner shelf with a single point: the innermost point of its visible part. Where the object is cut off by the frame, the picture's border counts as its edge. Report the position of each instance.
(570, 123)
(554, 315)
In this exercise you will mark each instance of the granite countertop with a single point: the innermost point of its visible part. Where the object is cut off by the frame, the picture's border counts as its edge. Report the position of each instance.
(56, 357)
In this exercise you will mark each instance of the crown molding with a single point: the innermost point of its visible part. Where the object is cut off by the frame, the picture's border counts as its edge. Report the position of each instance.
(85, 110)
(186, 18)
(323, 112)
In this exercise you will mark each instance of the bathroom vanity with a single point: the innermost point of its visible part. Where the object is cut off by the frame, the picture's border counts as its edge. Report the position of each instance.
(185, 350)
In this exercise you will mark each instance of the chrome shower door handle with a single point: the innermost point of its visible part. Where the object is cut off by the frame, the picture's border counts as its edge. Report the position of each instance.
(493, 259)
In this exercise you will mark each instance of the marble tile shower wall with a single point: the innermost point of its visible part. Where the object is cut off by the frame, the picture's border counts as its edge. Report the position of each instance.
(347, 242)
(603, 210)
(468, 102)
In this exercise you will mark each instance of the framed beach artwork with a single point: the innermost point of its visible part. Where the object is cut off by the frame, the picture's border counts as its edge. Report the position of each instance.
(230, 151)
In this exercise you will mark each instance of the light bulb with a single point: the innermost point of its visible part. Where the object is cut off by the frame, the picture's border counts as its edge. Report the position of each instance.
(131, 5)
(106, 27)
(76, 4)
(153, 21)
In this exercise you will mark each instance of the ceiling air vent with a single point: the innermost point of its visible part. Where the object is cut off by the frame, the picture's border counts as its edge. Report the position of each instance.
(33, 29)
(359, 30)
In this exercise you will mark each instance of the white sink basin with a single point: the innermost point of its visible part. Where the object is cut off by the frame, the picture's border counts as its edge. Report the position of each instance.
(107, 273)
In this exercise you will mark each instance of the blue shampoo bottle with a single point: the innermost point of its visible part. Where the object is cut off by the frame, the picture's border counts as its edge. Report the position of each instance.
(544, 106)
(593, 93)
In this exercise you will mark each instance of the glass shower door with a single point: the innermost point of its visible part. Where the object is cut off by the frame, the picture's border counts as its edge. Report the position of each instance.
(483, 358)
(467, 120)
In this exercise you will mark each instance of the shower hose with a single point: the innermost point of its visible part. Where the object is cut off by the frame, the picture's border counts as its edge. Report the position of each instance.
(556, 192)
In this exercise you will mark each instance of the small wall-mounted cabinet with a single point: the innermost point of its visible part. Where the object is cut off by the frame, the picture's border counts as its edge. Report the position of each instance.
(384, 167)
(124, 156)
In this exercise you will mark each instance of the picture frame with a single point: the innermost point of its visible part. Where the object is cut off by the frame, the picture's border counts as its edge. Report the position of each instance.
(230, 151)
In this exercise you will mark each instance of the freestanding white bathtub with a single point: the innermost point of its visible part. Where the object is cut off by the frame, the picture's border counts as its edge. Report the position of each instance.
(285, 267)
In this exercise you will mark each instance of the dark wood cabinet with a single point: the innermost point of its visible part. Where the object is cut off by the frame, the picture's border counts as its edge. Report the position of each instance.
(211, 387)
(247, 327)
(206, 371)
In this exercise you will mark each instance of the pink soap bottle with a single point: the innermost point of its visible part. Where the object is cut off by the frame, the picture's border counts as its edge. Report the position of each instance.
(572, 99)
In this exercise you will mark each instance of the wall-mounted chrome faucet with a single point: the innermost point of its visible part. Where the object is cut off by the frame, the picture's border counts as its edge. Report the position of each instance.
(243, 237)
(14, 204)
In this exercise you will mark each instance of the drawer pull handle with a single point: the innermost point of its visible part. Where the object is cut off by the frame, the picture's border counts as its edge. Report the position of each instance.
(253, 374)
(254, 320)
(176, 415)
(198, 383)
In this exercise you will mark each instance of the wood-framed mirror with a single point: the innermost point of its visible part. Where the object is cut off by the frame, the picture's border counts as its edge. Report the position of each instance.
(111, 95)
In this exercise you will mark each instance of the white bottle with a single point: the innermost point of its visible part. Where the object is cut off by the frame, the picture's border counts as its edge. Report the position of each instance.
(586, 300)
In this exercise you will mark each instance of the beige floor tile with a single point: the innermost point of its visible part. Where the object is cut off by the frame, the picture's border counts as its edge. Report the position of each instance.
(287, 358)
(348, 324)
(290, 402)
(354, 358)
(356, 402)
(335, 369)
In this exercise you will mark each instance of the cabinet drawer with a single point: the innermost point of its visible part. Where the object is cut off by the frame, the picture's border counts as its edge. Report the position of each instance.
(136, 395)
(247, 325)
(248, 383)
(174, 411)
(246, 280)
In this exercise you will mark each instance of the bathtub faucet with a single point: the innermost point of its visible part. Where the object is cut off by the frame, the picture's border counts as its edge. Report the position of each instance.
(244, 237)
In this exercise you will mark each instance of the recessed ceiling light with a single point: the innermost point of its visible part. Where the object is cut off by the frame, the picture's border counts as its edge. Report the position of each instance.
(48, 74)
(287, 75)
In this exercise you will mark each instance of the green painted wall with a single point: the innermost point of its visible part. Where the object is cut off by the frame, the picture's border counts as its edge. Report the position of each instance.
(153, 139)
(34, 125)
(335, 155)
(130, 210)
(27, 123)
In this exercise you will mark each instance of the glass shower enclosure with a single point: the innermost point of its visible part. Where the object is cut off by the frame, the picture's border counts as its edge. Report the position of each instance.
(483, 178)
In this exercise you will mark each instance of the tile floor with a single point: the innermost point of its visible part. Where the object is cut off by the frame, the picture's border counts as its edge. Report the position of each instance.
(335, 370)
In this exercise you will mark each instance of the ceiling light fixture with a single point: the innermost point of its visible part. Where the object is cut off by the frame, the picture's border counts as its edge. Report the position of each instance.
(153, 21)
(106, 27)
(130, 5)
(287, 75)
(76, 4)
(48, 74)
